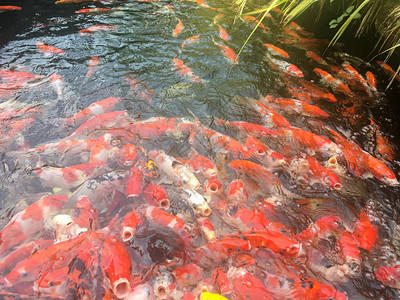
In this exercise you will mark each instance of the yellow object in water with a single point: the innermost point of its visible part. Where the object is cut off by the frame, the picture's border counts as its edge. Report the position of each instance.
(209, 296)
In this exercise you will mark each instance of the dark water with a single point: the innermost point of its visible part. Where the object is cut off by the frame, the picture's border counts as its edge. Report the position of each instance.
(142, 45)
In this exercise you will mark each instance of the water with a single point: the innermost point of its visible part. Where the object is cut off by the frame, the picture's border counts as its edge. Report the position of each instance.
(142, 46)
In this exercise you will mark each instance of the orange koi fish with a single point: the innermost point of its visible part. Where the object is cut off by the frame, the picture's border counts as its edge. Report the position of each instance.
(222, 281)
(200, 164)
(389, 275)
(223, 34)
(249, 286)
(299, 29)
(365, 234)
(185, 72)
(93, 63)
(85, 215)
(49, 50)
(276, 51)
(228, 53)
(161, 218)
(248, 128)
(292, 106)
(156, 195)
(306, 91)
(91, 10)
(212, 186)
(322, 228)
(187, 275)
(191, 40)
(29, 221)
(271, 118)
(388, 69)
(236, 192)
(134, 185)
(383, 146)
(207, 228)
(263, 154)
(371, 79)
(97, 108)
(201, 3)
(129, 225)
(286, 67)
(360, 162)
(314, 56)
(349, 248)
(251, 19)
(103, 121)
(116, 263)
(96, 28)
(360, 81)
(328, 80)
(178, 28)
(314, 290)
(9, 7)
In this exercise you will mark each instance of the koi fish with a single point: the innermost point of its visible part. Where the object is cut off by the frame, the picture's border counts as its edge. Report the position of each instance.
(29, 221)
(100, 107)
(264, 154)
(236, 193)
(218, 18)
(129, 225)
(314, 56)
(286, 67)
(207, 228)
(201, 3)
(197, 202)
(191, 40)
(275, 51)
(96, 28)
(223, 34)
(156, 195)
(163, 219)
(93, 63)
(271, 118)
(85, 215)
(328, 80)
(371, 80)
(186, 72)
(68, 177)
(178, 28)
(220, 277)
(365, 234)
(9, 7)
(312, 289)
(306, 91)
(212, 186)
(116, 263)
(292, 106)
(134, 184)
(322, 228)
(247, 285)
(389, 275)
(57, 82)
(251, 19)
(361, 83)
(200, 164)
(187, 275)
(349, 248)
(103, 121)
(91, 10)
(228, 53)
(247, 128)
(388, 69)
(49, 50)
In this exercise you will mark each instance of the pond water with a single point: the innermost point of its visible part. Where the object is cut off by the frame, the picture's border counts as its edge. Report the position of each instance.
(313, 220)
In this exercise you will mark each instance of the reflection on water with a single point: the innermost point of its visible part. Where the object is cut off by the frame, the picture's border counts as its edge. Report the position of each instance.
(137, 149)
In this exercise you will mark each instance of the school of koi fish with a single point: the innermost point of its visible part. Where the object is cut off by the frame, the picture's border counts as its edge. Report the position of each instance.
(173, 208)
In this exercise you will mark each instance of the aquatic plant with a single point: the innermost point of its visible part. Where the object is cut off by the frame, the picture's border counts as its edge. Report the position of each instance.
(384, 14)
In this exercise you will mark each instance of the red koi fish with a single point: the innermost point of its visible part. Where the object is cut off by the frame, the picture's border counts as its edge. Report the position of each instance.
(251, 19)
(57, 82)
(306, 139)
(207, 228)
(389, 275)
(222, 281)
(248, 286)
(212, 186)
(335, 84)
(22, 252)
(116, 263)
(271, 118)
(360, 162)
(102, 121)
(163, 219)
(292, 106)
(349, 248)
(223, 34)
(314, 56)
(201, 3)
(178, 28)
(371, 79)
(276, 51)
(129, 225)
(247, 128)
(219, 250)
(29, 221)
(286, 67)
(191, 40)
(275, 241)
(9, 7)
(96, 28)
(187, 275)
(236, 193)
(228, 53)
(388, 69)
(100, 107)
(185, 72)
(306, 91)
(322, 228)
(49, 50)
(264, 154)
(93, 63)
(314, 290)
(200, 164)
(134, 185)
(91, 10)
(68, 177)
(156, 195)
(255, 172)
(365, 233)
(223, 143)
(85, 215)
(361, 83)
(18, 77)
(299, 29)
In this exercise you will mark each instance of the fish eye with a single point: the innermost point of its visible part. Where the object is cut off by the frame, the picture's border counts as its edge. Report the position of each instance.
(24, 273)
(238, 249)
(384, 177)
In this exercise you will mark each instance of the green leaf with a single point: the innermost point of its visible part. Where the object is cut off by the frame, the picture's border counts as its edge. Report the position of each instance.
(350, 9)
(334, 26)
(357, 16)
(332, 22)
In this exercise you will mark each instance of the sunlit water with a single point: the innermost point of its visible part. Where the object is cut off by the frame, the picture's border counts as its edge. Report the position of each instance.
(143, 46)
